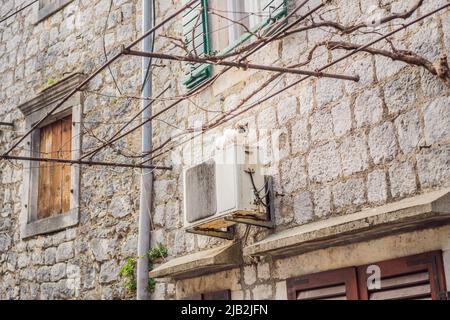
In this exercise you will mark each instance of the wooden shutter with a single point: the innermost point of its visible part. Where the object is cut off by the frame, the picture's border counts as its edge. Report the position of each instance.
(195, 32)
(54, 178)
(275, 8)
(330, 285)
(416, 277)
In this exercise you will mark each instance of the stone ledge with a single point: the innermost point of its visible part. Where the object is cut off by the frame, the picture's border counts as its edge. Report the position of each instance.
(52, 94)
(51, 224)
(416, 213)
(200, 263)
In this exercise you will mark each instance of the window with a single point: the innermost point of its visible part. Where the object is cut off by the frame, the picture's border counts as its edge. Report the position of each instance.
(415, 277)
(50, 189)
(233, 21)
(54, 179)
(330, 285)
(209, 28)
(49, 7)
(418, 277)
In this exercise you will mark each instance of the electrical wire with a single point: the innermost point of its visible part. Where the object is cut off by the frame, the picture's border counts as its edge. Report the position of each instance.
(255, 189)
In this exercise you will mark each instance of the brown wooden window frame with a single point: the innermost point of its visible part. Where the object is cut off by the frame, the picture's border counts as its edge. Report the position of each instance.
(431, 262)
(346, 277)
(34, 110)
(355, 278)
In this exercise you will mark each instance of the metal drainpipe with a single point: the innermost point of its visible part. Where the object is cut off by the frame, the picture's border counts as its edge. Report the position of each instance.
(147, 176)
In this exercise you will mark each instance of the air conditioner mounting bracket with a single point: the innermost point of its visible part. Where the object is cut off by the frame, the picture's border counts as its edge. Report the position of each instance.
(228, 235)
(235, 218)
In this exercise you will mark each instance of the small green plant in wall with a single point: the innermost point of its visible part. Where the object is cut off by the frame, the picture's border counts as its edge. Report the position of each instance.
(127, 273)
(50, 82)
(157, 253)
(128, 270)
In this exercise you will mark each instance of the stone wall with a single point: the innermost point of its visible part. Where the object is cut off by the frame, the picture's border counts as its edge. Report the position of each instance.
(343, 146)
(81, 262)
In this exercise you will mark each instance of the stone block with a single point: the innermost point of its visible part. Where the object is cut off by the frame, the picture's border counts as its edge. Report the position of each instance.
(408, 131)
(324, 163)
(401, 93)
(434, 167)
(348, 193)
(354, 157)
(382, 143)
(108, 272)
(368, 108)
(65, 251)
(376, 187)
(437, 120)
(342, 118)
(403, 179)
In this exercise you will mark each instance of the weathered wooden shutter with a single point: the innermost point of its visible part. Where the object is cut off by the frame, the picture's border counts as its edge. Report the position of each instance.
(416, 277)
(329, 285)
(195, 32)
(54, 178)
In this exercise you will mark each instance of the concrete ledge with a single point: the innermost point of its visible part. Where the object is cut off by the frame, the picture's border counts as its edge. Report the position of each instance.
(52, 94)
(200, 263)
(420, 212)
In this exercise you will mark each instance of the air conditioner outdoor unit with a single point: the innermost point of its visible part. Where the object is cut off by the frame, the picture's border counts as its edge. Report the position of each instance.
(224, 185)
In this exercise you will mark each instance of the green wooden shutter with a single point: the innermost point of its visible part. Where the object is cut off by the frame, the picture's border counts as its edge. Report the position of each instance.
(275, 9)
(195, 32)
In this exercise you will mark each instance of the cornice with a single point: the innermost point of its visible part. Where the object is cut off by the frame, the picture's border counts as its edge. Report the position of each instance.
(52, 94)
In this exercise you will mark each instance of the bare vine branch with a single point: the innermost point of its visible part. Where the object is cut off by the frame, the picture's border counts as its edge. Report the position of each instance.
(439, 69)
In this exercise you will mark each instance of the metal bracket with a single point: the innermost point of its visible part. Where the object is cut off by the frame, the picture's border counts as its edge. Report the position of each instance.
(228, 235)
(268, 222)
(254, 222)
(270, 213)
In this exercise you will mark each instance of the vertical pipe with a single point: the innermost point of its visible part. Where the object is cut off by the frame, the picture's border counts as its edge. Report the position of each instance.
(147, 176)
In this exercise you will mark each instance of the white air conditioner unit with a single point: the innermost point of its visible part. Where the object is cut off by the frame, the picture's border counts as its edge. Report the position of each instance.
(222, 186)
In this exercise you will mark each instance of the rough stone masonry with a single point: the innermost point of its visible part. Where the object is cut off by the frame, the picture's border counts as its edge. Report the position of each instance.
(344, 146)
